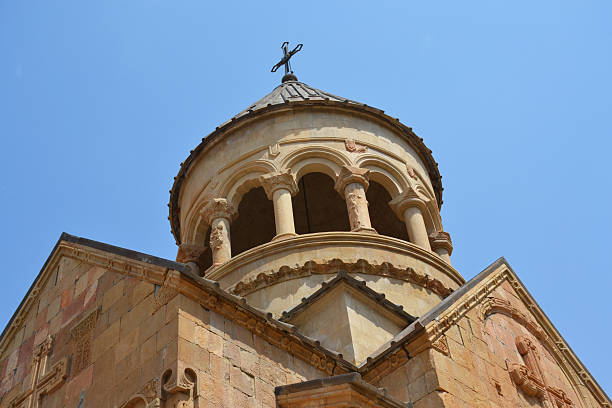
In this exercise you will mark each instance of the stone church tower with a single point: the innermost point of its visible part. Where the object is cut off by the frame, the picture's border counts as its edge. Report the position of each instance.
(313, 270)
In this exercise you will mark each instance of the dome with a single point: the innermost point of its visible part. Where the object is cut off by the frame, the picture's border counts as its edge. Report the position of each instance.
(293, 94)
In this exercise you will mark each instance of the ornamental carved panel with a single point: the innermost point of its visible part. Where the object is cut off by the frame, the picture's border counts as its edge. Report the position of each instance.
(534, 376)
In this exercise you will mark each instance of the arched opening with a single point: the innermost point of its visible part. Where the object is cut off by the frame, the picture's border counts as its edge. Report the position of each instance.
(382, 217)
(205, 260)
(255, 223)
(318, 207)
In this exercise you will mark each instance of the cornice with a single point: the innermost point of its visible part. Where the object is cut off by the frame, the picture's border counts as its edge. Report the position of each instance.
(183, 281)
(303, 242)
(386, 269)
(378, 115)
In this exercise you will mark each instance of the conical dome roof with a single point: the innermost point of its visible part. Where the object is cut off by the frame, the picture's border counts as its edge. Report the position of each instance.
(293, 94)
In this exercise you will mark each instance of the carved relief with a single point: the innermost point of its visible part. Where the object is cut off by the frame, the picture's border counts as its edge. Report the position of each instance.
(354, 201)
(361, 266)
(493, 304)
(82, 335)
(441, 345)
(179, 388)
(353, 147)
(41, 382)
(274, 150)
(189, 253)
(147, 397)
(217, 237)
(218, 208)
(279, 180)
(530, 379)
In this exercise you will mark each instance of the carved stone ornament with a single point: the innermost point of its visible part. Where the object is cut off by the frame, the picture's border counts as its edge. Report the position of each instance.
(495, 305)
(279, 180)
(441, 345)
(217, 237)
(530, 379)
(386, 269)
(82, 335)
(41, 381)
(179, 388)
(189, 253)
(274, 150)
(354, 202)
(148, 394)
(349, 174)
(218, 208)
(441, 239)
(410, 197)
(411, 172)
(353, 147)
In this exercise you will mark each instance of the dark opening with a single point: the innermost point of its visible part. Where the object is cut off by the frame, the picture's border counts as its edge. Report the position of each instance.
(255, 223)
(383, 219)
(205, 260)
(318, 207)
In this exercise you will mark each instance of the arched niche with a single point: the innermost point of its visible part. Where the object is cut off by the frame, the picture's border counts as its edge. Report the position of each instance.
(255, 222)
(382, 217)
(317, 207)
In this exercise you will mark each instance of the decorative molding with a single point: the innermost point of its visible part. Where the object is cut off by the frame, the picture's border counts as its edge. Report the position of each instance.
(82, 335)
(362, 266)
(441, 239)
(350, 174)
(41, 382)
(164, 293)
(351, 146)
(278, 180)
(218, 208)
(149, 395)
(189, 252)
(530, 379)
(94, 257)
(551, 339)
(274, 150)
(496, 305)
(441, 344)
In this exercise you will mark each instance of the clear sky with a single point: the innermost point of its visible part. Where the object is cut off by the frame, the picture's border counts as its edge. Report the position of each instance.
(100, 102)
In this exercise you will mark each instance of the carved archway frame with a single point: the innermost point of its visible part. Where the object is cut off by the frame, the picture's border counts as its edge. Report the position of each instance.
(235, 179)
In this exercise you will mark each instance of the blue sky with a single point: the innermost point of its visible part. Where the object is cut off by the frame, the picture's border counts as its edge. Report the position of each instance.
(101, 101)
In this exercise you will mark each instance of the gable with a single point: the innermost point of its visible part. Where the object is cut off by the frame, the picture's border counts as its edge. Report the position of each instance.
(488, 341)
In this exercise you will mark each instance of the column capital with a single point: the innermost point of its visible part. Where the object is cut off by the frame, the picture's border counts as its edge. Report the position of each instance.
(189, 252)
(441, 239)
(278, 180)
(350, 174)
(408, 198)
(218, 208)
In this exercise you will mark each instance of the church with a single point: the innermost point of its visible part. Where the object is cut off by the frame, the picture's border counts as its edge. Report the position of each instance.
(312, 270)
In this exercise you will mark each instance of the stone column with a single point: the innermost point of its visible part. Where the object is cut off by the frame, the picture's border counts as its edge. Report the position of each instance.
(189, 253)
(409, 206)
(441, 244)
(280, 187)
(218, 213)
(352, 184)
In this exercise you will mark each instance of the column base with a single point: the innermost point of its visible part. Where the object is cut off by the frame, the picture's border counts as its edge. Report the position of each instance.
(286, 235)
(366, 230)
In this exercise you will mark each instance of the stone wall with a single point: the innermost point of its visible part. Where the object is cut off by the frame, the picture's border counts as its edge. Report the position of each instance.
(480, 362)
(118, 341)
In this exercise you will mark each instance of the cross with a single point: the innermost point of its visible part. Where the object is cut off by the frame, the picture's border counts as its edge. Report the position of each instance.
(41, 382)
(531, 379)
(286, 57)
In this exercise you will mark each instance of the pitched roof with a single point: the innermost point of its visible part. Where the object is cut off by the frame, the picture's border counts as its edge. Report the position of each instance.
(359, 285)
